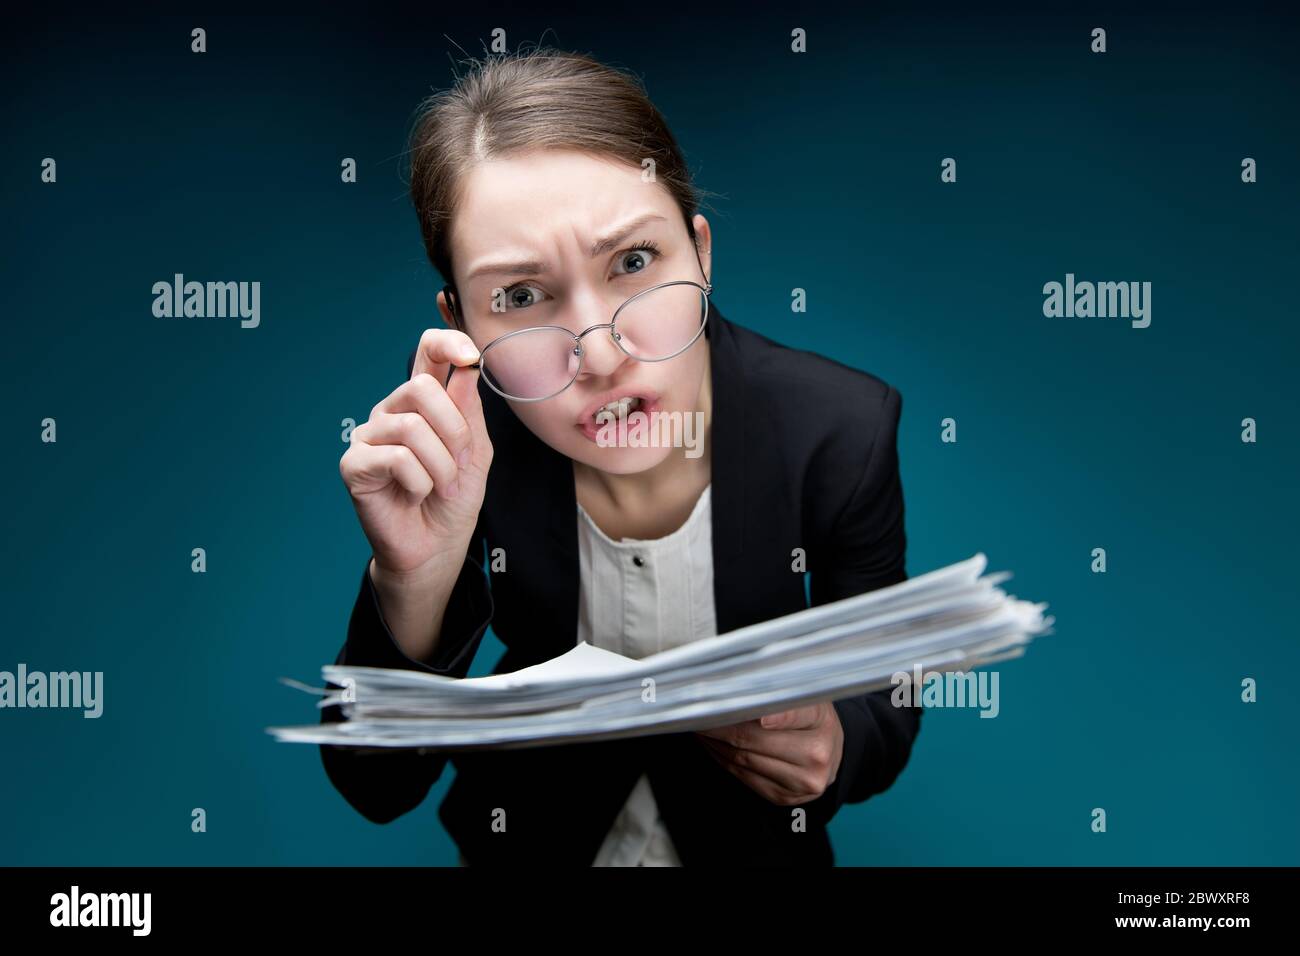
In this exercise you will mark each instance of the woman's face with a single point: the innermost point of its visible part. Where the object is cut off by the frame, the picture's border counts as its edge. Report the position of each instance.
(523, 239)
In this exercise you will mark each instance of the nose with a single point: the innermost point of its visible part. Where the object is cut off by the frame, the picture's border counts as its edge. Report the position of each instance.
(601, 356)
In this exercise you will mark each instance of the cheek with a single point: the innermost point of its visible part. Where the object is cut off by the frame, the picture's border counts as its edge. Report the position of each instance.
(555, 427)
(546, 420)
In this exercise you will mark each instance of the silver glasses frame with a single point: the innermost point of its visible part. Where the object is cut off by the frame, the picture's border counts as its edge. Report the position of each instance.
(612, 325)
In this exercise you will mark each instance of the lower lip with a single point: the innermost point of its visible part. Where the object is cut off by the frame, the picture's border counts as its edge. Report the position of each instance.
(591, 429)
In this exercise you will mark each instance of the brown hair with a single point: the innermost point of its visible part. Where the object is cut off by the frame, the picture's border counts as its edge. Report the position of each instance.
(546, 98)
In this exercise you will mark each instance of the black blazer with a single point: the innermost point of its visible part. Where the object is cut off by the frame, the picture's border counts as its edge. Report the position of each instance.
(803, 456)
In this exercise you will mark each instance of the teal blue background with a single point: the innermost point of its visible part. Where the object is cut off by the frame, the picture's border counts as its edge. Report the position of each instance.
(1073, 433)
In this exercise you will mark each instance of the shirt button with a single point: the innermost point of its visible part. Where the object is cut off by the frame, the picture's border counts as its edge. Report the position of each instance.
(637, 560)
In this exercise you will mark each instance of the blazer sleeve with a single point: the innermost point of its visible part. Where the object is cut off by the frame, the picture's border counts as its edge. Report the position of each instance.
(383, 783)
(867, 551)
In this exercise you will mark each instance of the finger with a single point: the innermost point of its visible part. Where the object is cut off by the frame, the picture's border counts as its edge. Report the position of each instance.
(799, 718)
(793, 777)
(748, 733)
(369, 468)
(439, 349)
(424, 395)
(787, 748)
(463, 391)
(730, 733)
(765, 788)
(765, 783)
(412, 430)
(718, 751)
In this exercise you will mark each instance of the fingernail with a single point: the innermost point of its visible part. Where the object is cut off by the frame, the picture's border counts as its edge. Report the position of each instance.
(463, 458)
(453, 489)
(469, 353)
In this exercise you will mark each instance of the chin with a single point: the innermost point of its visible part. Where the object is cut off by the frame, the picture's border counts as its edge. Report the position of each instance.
(615, 460)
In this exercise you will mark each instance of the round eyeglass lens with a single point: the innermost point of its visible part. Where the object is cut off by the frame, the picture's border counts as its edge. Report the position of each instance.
(531, 363)
(659, 323)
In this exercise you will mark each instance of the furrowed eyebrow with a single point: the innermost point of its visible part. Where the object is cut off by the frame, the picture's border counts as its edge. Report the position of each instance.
(521, 267)
(532, 267)
(614, 238)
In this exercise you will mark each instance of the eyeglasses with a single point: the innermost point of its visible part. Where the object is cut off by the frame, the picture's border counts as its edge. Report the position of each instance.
(533, 364)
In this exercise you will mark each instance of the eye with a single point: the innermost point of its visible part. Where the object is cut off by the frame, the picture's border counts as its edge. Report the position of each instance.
(635, 259)
(520, 296)
(639, 257)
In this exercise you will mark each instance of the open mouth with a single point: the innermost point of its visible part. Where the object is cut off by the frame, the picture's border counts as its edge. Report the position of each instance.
(618, 408)
(614, 411)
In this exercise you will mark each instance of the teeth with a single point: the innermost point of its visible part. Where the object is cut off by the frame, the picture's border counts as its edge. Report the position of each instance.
(620, 407)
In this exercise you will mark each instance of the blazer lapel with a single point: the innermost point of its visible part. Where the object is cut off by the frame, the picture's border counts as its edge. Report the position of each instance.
(729, 468)
(530, 510)
(756, 511)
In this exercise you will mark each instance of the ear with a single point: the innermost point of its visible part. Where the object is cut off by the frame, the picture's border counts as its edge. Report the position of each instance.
(704, 242)
(445, 299)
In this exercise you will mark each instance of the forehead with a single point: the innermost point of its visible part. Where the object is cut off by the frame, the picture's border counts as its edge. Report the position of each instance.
(543, 198)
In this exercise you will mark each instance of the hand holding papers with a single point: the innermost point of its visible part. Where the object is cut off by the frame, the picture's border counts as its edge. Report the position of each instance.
(951, 619)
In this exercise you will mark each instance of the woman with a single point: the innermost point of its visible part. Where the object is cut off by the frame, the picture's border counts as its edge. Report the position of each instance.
(554, 198)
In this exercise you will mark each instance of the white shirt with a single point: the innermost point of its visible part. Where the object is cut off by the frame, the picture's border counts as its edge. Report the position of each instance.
(638, 609)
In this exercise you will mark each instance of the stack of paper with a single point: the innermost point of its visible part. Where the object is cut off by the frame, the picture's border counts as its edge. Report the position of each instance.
(951, 619)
